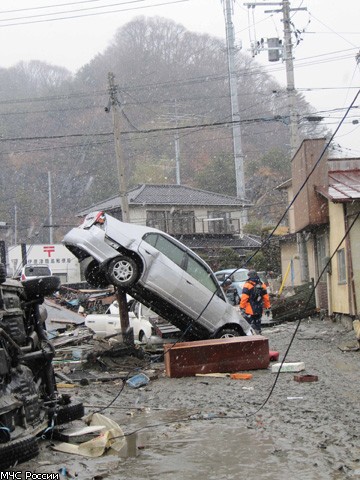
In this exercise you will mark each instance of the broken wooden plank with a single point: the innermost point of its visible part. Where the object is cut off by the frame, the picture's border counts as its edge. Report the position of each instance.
(70, 340)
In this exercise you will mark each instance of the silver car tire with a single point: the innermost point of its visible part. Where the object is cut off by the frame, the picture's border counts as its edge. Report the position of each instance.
(123, 271)
(229, 333)
(94, 276)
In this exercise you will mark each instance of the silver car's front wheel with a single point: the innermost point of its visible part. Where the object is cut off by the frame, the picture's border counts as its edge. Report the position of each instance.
(123, 271)
(229, 333)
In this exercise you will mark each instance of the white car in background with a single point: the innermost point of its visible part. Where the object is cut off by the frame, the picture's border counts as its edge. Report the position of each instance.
(148, 327)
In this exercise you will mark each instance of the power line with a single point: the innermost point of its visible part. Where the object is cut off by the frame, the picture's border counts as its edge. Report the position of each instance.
(70, 17)
(151, 130)
(68, 11)
(47, 6)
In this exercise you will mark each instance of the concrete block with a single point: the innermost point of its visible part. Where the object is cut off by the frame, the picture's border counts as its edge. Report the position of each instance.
(288, 367)
(222, 355)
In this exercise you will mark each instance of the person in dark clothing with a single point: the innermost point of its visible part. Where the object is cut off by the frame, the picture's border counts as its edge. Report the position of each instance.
(254, 299)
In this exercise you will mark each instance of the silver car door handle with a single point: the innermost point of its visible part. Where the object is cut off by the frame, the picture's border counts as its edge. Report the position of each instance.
(187, 281)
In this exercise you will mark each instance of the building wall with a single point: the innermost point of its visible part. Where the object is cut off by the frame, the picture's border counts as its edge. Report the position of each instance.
(291, 215)
(290, 266)
(310, 246)
(309, 208)
(353, 209)
(290, 256)
(138, 215)
(339, 292)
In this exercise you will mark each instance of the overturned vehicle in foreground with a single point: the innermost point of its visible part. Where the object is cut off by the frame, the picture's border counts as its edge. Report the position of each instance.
(30, 405)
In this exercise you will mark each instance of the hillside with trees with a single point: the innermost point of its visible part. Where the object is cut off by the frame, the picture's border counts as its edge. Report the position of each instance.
(54, 125)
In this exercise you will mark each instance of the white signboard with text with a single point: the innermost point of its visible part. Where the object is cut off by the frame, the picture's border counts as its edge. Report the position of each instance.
(60, 260)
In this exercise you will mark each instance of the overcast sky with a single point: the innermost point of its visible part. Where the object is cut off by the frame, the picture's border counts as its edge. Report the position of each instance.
(325, 58)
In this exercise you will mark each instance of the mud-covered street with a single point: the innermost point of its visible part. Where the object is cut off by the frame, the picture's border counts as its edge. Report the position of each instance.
(220, 428)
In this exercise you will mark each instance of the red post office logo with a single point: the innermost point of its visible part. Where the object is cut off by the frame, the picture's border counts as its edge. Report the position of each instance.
(49, 249)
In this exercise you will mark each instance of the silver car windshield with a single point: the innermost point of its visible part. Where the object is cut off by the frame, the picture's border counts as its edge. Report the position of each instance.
(240, 276)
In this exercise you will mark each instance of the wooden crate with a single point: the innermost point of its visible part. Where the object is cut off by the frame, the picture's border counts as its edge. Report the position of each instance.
(223, 355)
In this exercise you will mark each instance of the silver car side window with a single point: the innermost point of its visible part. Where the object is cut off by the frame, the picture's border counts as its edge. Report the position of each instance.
(200, 273)
(166, 247)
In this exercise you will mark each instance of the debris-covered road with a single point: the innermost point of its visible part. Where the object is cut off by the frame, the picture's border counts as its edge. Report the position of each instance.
(215, 428)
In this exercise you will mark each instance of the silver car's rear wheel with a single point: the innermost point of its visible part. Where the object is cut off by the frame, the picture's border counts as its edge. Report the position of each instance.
(123, 271)
(94, 276)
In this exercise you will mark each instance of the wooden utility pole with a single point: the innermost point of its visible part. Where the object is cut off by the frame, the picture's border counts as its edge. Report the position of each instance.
(126, 331)
(115, 104)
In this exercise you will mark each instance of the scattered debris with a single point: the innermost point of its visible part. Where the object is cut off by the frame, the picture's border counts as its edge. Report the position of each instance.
(354, 347)
(138, 380)
(290, 306)
(306, 378)
(274, 356)
(356, 326)
(241, 376)
(110, 436)
(288, 367)
(77, 434)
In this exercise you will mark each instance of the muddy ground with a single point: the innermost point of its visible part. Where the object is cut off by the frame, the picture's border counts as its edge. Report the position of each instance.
(219, 428)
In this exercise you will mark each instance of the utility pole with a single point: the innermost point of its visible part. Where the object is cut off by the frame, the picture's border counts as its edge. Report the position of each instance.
(51, 228)
(177, 148)
(291, 97)
(290, 80)
(289, 65)
(235, 114)
(114, 104)
(294, 128)
(15, 225)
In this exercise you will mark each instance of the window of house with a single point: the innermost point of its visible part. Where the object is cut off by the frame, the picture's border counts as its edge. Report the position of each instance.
(172, 222)
(219, 222)
(181, 221)
(341, 266)
(156, 219)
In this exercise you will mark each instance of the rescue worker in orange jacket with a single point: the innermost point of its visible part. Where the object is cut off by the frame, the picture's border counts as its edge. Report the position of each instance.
(254, 299)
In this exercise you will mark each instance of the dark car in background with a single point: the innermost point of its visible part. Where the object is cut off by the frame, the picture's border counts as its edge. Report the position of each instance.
(35, 271)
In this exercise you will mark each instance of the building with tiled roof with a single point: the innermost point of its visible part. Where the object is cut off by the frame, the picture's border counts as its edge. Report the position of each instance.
(200, 219)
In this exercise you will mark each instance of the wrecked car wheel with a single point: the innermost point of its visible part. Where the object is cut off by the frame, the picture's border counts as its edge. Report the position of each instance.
(18, 451)
(68, 413)
(229, 333)
(123, 271)
(94, 277)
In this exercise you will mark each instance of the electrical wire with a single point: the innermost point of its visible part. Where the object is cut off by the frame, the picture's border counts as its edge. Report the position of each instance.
(71, 17)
